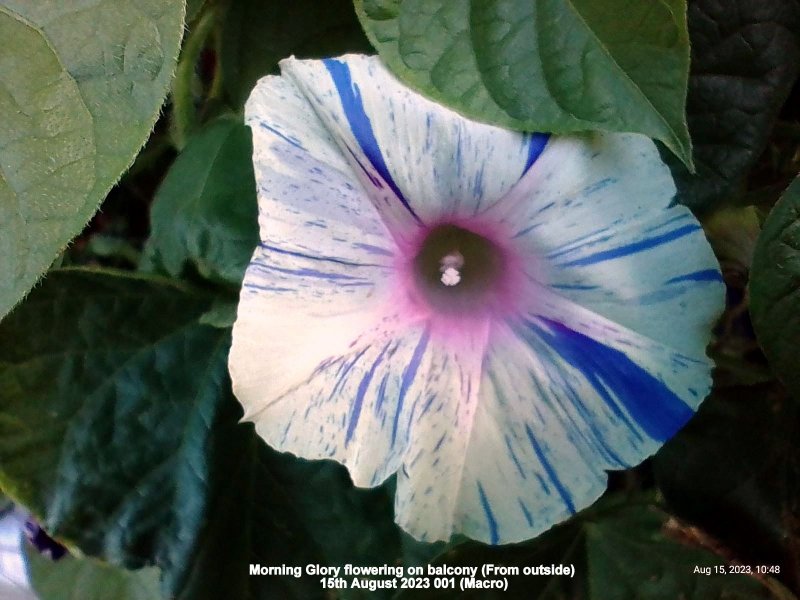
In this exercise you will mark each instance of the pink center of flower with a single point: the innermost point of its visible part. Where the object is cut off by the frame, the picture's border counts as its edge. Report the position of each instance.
(456, 271)
(459, 274)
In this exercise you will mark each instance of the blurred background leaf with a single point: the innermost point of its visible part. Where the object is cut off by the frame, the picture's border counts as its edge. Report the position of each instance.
(88, 579)
(775, 288)
(119, 430)
(82, 89)
(257, 34)
(745, 59)
(622, 547)
(559, 66)
(734, 470)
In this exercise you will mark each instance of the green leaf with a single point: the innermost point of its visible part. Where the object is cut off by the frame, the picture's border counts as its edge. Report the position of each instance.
(775, 288)
(205, 213)
(88, 579)
(619, 549)
(738, 462)
(556, 65)
(119, 430)
(745, 58)
(257, 34)
(80, 90)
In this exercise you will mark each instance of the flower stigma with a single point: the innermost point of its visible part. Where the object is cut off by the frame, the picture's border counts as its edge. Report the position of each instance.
(450, 268)
(451, 276)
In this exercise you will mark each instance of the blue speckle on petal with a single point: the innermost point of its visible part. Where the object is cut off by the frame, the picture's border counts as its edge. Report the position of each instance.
(318, 257)
(494, 536)
(597, 186)
(408, 378)
(526, 512)
(355, 413)
(513, 456)
(373, 249)
(294, 142)
(551, 472)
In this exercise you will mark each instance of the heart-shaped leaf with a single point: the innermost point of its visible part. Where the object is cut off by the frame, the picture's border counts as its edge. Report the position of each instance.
(556, 66)
(81, 85)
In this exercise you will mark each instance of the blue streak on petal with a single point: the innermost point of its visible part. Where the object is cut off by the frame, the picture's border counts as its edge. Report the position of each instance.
(373, 249)
(360, 125)
(577, 246)
(305, 273)
(283, 136)
(427, 406)
(705, 275)
(536, 144)
(408, 378)
(574, 286)
(597, 186)
(494, 536)
(331, 259)
(342, 376)
(266, 288)
(381, 393)
(656, 408)
(373, 180)
(633, 247)
(514, 457)
(551, 473)
(477, 184)
(675, 219)
(526, 512)
(527, 230)
(359, 399)
(563, 379)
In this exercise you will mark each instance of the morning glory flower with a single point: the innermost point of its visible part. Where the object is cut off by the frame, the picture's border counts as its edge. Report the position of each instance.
(497, 317)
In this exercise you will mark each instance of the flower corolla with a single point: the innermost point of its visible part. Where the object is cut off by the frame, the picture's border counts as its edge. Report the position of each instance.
(497, 317)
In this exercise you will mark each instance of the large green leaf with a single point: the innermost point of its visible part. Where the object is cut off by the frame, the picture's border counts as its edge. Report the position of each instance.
(620, 549)
(738, 462)
(745, 58)
(257, 34)
(81, 84)
(551, 65)
(775, 288)
(88, 579)
(118, 428)
(205, 213)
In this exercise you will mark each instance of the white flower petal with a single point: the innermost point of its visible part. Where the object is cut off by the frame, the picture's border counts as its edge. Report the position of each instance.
(510, 431)
(14, 581)
(319, 274)
(309, 202)
(422, 158)
(355, 402)
(561, 396)
(598, 211)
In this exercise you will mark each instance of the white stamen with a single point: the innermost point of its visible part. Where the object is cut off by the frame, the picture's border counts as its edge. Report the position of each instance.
(451, 276)
(449, 266)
